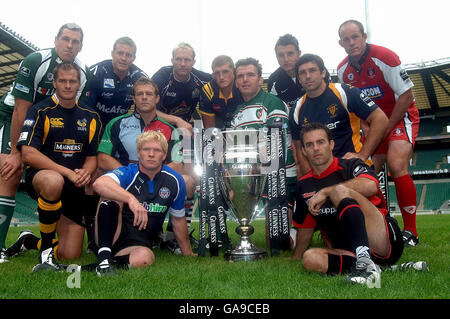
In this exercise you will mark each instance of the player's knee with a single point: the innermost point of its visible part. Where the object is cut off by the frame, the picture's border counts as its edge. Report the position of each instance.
(141, 257)
(49, 184)
(66, 253)
(339, 193)
(398, 167)
(310, 260)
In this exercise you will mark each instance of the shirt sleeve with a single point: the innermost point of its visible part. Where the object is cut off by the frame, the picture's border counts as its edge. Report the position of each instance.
(33, 129)
(24, 86)
(394, 74)
(278, 110)
(293, 126)
(206, 95)
(177, 207)
(360, 169)
(106, 144)
(93, 87)
(86, 80)
(359, 102)
(122, 175)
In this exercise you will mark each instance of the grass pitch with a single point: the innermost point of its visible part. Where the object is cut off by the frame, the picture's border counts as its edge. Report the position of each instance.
(177, 277)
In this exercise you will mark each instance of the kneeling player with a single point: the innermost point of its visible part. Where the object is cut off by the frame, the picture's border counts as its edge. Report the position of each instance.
(58, 142)
(137, 199)
(342, 199)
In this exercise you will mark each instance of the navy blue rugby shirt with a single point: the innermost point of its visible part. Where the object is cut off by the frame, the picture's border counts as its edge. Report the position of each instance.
(177, 98)
(340, 107)
(108, 95)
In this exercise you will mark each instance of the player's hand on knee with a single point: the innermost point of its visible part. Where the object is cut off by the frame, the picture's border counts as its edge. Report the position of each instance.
(12, 164)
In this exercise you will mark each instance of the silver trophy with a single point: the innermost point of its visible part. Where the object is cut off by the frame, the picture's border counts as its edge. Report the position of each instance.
(242, 184)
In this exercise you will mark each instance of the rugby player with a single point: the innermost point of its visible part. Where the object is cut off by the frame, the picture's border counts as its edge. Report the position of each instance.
(378, 72)
(342, 199)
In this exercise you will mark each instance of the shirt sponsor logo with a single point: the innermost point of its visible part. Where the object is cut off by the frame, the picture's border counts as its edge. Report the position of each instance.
(332, 126)
(327, 210)
(68, 147)
(107, 95)
(114, 109)
(154, 207)
(22, 88)
(108, 83)
(374, 92)
(28, 122)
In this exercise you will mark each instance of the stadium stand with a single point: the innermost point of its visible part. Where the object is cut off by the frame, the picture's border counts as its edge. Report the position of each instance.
(13, 48)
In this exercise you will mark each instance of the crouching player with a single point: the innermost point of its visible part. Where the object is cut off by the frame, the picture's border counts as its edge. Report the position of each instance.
(342, 199)
(137, 198)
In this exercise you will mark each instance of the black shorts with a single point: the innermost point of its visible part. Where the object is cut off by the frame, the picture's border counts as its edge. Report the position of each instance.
(339, 241)
(396, 240)
(73, 199)
(131, 235)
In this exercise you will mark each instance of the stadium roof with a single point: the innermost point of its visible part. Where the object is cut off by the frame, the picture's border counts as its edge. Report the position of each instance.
(431, 84)
(13, 48)
(431, 79)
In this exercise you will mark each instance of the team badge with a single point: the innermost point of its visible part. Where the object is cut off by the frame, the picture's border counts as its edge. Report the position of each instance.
(164, 192)
(371, 73)
(50, 77)
(259, 113)
(351, 76)
(82, 125)
(332, 109)
(398, 132)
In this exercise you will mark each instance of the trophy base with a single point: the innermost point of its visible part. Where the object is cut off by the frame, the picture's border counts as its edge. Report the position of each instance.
(245, 251)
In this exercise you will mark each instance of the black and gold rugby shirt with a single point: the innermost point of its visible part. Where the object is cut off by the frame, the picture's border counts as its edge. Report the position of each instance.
(66, 136)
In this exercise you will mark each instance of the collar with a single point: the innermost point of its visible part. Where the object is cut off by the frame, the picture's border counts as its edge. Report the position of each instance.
(56, 100)
(138, 116)
(229, 97)
(361, 60)
(175, 78)
(334, 166)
